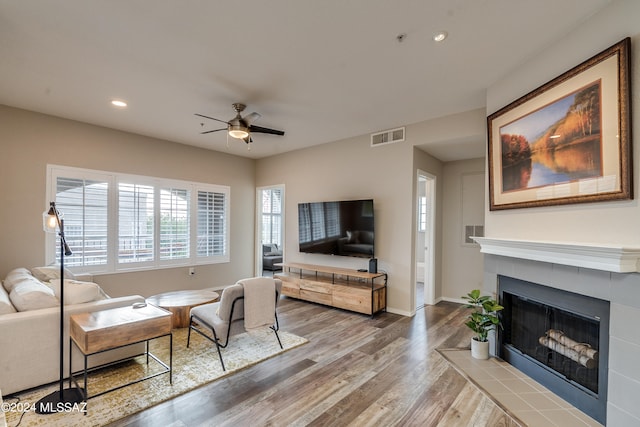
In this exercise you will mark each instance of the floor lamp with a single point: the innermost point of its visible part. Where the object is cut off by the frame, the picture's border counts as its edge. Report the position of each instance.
(63, 399)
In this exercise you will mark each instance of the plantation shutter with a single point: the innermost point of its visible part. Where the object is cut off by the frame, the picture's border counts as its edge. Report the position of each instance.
(135, 223)
(84, 205)
(174, 223)
(272, 216)
(211, 228)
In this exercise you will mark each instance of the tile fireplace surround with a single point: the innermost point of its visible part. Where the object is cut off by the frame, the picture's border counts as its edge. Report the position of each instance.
(607, 272)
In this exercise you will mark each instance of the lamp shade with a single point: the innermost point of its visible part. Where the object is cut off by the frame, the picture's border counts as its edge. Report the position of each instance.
(50, 219)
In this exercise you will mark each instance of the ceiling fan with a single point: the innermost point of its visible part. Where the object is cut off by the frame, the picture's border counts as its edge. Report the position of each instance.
(241, 127)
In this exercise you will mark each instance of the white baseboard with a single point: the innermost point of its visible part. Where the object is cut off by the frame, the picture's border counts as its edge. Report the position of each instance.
(457, 300)
(400, 312)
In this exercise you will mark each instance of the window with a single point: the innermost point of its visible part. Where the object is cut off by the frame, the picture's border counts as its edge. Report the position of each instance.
(422, 214)
(117, 222)
(272, 216)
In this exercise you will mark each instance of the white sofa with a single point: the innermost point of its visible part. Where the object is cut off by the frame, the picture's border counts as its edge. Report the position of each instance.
(29, 326)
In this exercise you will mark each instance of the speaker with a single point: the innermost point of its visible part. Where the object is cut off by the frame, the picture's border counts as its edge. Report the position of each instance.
(373, 265)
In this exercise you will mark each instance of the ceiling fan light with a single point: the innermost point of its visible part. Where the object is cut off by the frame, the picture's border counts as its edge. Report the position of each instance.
(238, 131)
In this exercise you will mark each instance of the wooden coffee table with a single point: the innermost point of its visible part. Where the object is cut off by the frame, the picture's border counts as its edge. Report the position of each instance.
(106, 330)
(180, 303)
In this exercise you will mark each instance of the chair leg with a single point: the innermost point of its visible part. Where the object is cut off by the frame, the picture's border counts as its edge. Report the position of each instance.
(213, 340)
(220, 356)
(276, 328)
(189, 333)
(216, 341)
(278, 337)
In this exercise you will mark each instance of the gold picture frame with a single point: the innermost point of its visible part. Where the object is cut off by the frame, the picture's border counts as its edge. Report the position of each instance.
(568, 141)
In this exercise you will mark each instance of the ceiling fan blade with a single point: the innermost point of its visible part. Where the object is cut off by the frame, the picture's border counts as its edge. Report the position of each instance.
(260, 129)
(215, 130)
(250, 118)
(212, 118)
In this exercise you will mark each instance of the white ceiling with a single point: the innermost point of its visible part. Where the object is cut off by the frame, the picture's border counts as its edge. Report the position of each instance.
(319, 70)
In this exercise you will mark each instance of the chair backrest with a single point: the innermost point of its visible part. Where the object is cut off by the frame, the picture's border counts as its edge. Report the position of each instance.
(236, 293)
(227, 305)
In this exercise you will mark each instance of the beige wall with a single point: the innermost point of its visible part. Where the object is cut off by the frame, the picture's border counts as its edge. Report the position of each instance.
(462, 263)
(606, 222)
(346, 169)
(30, 141)
(468, 131)
(351, 169)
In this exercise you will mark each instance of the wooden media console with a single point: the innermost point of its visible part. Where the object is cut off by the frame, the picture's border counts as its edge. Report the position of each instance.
(353, 290)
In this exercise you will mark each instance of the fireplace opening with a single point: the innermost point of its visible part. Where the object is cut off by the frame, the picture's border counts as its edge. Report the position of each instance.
(565, 342)
(558, 338)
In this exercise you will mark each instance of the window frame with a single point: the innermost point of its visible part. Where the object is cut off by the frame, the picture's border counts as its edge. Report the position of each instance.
(113, 180)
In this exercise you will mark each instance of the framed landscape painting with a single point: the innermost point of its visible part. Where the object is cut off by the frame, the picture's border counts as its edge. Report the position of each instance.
(567, 141)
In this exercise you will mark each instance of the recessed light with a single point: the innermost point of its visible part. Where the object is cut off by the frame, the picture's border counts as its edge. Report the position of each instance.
(118, 103)
(440, 36)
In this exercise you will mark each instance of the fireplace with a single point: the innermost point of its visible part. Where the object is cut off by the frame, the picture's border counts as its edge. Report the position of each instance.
(608, 273)
(559, 338)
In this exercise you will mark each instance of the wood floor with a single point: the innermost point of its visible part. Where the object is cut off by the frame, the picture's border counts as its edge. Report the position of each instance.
(355, 371)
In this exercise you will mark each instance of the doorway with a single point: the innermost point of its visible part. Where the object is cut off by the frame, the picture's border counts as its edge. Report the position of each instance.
(425, 205)
(269, 229)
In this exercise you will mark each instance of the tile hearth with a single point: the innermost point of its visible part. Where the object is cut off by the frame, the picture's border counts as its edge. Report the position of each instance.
(525, 400)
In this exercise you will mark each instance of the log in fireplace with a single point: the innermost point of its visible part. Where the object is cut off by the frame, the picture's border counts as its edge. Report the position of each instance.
(558, 338)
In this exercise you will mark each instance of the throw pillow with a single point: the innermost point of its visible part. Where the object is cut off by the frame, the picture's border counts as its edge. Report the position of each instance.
(14, 277)
(31, 294)
(76, 292)
(271, 250)
(5, 303)
(50, 272)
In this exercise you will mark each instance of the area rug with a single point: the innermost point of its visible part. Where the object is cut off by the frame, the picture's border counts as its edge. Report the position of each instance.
(192, 367)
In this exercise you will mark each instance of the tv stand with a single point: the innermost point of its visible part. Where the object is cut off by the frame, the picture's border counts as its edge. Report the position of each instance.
(353, 290)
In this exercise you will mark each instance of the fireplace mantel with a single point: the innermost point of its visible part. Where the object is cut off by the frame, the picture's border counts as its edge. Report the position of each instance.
(617, 259)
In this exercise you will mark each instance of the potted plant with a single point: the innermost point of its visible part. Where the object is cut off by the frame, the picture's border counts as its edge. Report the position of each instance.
(481, 320)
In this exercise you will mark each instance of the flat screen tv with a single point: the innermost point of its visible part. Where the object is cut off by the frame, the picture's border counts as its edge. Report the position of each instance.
(342, 228)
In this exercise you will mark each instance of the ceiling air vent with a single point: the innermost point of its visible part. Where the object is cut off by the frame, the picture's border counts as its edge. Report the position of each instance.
(387, 137)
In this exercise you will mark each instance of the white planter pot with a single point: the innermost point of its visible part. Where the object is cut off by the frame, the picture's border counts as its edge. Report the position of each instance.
(479, 349)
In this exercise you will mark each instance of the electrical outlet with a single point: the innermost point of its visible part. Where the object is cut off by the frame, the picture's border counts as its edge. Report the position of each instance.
(192, 271)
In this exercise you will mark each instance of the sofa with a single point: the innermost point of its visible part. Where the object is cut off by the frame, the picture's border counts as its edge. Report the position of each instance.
(29, 326)
(271, 255)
